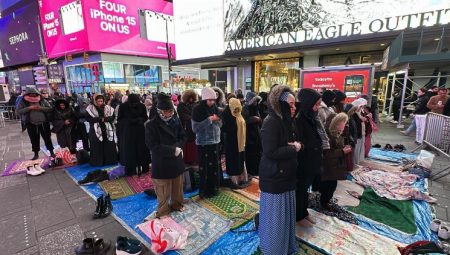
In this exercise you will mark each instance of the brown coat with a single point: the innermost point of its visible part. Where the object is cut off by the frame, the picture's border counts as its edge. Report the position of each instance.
(334, 164)
(433, 104)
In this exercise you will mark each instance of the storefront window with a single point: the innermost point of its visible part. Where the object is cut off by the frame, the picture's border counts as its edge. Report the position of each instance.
(280, 71)
(113, 72)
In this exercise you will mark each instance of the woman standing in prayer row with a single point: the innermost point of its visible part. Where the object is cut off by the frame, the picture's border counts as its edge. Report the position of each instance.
(101, 132)
(277, 175)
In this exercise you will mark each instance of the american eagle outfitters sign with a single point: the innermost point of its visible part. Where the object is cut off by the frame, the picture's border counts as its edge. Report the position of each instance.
(422, 19)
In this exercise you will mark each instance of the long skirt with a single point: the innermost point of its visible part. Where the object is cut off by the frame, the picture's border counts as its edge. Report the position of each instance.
(277, 223)
(252, 158)
(358, 152)
(190, 153)
(367, 145)
(209, 170)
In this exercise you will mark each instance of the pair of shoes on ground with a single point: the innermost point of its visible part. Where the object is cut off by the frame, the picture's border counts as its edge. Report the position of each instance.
(441, 228)
(128, 246)
(94, 177)
(93, 246)
(104, 207)
(307, 222)
(35, 170)
(124, 246)
(404, 133)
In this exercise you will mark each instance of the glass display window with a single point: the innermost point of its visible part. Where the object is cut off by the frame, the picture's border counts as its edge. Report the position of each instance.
(278, 71)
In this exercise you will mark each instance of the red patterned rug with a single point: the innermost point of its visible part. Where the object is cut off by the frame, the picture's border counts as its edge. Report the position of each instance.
(140, 183)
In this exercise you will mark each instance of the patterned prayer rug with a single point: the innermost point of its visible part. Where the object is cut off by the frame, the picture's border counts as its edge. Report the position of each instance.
(117, 188)
(230, 205)
(204, 227)
(20, 166)
(337, 237)
(140, 183)
(252, 191)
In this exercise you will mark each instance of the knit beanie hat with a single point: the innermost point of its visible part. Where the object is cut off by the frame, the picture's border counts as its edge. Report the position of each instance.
(208, 94)
(164, 102)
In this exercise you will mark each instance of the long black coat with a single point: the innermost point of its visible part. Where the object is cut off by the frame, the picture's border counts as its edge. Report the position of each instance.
(162, 139)
(185, 114)
(234, 159)
(102, 153)
(310, 157)
(253, 146)
(131, 131)
(65, 134)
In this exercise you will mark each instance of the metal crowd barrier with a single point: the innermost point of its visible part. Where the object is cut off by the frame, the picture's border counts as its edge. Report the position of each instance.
(8, 113)
(437, 137)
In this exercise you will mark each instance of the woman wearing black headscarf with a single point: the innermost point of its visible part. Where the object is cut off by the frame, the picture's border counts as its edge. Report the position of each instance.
(101, 132)
(326, 107)
(134, 154)
(309, 131)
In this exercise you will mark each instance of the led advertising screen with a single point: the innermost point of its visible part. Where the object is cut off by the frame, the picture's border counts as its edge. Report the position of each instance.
(354, 82)
(63, 27)
(119, 26)
(19, 38)
(198, 28)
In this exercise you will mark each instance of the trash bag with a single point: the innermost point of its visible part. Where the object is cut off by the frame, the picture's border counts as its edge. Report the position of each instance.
(425, 159)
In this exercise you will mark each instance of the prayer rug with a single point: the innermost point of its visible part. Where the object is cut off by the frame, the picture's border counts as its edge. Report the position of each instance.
(140, 183)
(338, 237)
(252, 191)
(20, 166)
(394, 213)
(231, 206)
(343, 190)
(117, 188)
(204, 227)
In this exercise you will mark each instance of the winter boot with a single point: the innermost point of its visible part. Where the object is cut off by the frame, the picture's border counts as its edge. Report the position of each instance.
(99, 207)
(87, 248)
(101, 247)
(107, 207)
(36, 155)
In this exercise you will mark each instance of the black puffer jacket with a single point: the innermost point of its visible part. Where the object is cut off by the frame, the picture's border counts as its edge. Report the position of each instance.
(277, 170)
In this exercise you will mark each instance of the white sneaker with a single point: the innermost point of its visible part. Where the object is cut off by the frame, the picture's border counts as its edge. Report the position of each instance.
(444, 232)
(39, 168)
(32, 171)
(435, 225)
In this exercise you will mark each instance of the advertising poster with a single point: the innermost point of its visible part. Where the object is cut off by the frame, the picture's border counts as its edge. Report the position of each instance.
(119, 27)
(250, 25)
(63, 27)
(19, 38)
(353, 82)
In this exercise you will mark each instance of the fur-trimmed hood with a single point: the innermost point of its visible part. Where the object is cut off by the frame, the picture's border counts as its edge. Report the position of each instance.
(61, 101)
(274, 98)
(333, 123)
(188, 94)
(221, 98)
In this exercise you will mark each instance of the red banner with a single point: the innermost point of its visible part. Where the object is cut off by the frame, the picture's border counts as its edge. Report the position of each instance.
(353, 82)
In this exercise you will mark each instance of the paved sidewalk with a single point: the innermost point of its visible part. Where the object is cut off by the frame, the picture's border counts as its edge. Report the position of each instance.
(48, 214)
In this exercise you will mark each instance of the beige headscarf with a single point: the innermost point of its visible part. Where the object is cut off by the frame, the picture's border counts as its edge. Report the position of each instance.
(236, 110)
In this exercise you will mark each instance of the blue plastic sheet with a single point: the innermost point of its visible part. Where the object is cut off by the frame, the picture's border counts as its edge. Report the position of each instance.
(390, 156)
(235, 243)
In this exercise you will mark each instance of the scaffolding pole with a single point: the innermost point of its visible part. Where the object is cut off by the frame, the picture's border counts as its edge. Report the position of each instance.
(405, 82)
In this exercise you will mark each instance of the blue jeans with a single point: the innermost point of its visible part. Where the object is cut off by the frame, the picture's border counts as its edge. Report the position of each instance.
(411, 127)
